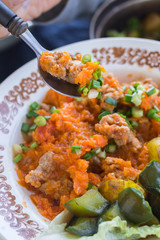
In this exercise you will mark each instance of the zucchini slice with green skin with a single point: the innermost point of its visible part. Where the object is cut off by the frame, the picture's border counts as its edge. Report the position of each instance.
(110, 213)
(154, 201)
(149, 178)
(91, 204)
(83, 226)
(134, 207)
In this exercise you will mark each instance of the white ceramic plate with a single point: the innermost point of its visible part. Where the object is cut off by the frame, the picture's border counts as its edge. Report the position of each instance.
(128, 59)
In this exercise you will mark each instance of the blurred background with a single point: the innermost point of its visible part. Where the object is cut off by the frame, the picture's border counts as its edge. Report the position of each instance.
(76, 20)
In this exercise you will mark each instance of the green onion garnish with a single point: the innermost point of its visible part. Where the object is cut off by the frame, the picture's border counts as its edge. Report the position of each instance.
(17, 158)
(156, 117)
(54, 110)
(80, 89)
(40, 121)
(127, 121)
(34, 145)
(137, 112)
(96, 84)
(151, 91)
(110, 148)
(75, 149)
(31, 114)
(129, 92)
(151, 112)
(78, 99)
(34, 106)
(136, 99)
(101, 79)
(132, 88)
(85, 91)
(95, 76)
(128, 98)
(107, 112)
(156, 108)
(99, 95)
(47, 117)
(24, 148)
(33, 127)
(124, 88)
(97, 62)
(90, 154)
(25, 127)
(136, 85)
(102, 155)
(98, 72)
(111, 101)
(90, 84)
(86, 58)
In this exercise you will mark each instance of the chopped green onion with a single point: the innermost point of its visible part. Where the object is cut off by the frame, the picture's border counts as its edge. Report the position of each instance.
(96, 84)
(110, 148)
(40, 121)
(124, 88)
(151, 91)
(86, 58)
(80, 89)
(96, 150)
(107, 112)
(54, 110)
(34, 106)
(151, 112)
(99, 95)
(24, 148)
(95, 76)
(102, 155)
(111, 101)
(47, 117)
(33, 127)
(140, 88)
(101, 79)
(134, 124)
(132, 88)
(90, 84)
(128, 98)
(98, 72)
(34, 145)
(137, 112)
(136, 85)
(156, 117)
(127, 121)
(156, 108)
(136, 99)
(75, 149)
(97, 62)
(31, 114)
(129, 92)
(90, 154)
(17, 158)
(85, 91)
(78, 99)
(25, 127)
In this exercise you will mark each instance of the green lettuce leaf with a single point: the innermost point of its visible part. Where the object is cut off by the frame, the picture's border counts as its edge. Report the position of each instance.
(116, 229)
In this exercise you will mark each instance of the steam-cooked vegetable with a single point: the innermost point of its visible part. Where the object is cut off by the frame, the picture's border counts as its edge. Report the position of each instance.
(92, 203)
(150, 178)
(154, 149)
(134, 207)
(110, 189)
(83, 226)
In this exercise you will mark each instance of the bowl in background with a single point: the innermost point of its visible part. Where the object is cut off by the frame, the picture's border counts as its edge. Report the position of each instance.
(114, 14)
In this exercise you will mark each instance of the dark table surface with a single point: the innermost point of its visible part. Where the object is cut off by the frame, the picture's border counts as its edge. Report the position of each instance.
(50, 37)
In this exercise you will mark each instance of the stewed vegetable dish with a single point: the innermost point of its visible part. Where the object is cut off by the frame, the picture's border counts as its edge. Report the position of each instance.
(98, 156)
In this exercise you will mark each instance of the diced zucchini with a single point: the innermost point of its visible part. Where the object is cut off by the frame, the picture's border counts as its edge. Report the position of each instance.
(134, 207)
(82, 226)
(91, 204)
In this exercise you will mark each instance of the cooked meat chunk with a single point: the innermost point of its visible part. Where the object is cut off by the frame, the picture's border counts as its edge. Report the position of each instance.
(56, 189)
(114, 126)
(118, 168)
(43, 171)
(61, 65)
(111, 88)
(45, 106)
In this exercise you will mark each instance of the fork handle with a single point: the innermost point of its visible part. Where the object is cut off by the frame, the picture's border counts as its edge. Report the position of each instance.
(15, 25)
